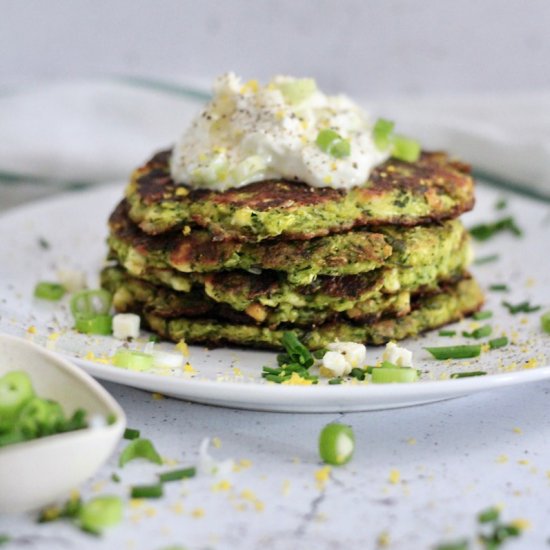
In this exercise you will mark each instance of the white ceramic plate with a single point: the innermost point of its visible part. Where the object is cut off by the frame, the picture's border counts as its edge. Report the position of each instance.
(74, 228)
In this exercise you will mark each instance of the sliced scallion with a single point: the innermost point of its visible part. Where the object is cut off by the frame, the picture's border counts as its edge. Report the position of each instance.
(523, 307)
(97, 324)
(382, 133)
(481, 315)
(499, 288)
(496, 343)
(139, 448)
(130, 433)
(545, 322)
(455, 352)
(88, 303)
(100, 513)
(132, 360)
(481, 332)
(484, 231)
(333, 144)
(389, 375)
(447, 333)
(405, 149)
(49, 291)
(336, 444)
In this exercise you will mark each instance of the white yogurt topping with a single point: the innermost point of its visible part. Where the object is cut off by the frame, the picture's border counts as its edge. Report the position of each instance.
(249, 133)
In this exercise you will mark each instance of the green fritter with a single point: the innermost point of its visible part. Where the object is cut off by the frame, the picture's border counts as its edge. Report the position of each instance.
(423, 257)
(430, 312)
(344, 254)
(432, 189)
(131, 294)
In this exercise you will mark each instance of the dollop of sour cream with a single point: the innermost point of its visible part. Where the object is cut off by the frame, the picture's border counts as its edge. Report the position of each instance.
(250, 133)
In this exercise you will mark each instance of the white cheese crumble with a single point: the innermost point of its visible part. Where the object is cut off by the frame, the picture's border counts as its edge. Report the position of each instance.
(397, 355)
(126, 325)
(342, 357)
(249, 132)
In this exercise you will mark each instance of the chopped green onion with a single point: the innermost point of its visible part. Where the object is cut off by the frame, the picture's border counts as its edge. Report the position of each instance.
(481, 315)
(133, 360)
(489, 515)
(115, 477)
(447, 333)
(139, 448)
(100, 512)
(270, 370)
(130, 433)
(388, 365)
(88, 303)
(545, 322)
(277, 378)
(405, 149)
(98, 324)
(499, 288)
(147, 491)
(319, 353)
(297, 91)
(4, 539)
(154, 338)
(486, 259)
(496, 343)
(389, 375)
(43, 243)
(458, 545)
(176, 475)
(336, 444)
(468, 374)
(49, 291)
(15, 392)
(334, 381)
(481, 332)
(523, 307)
(455, 352)
(485, 231)
(332, 143)
(382, 133)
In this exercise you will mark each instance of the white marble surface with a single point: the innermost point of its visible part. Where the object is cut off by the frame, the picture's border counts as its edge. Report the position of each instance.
(453, 458)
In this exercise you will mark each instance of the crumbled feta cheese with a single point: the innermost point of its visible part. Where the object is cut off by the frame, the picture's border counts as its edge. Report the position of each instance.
(72, 279)
(355, 354)
(208, 465)
(336, 363)
(399, 356)
(126, 325)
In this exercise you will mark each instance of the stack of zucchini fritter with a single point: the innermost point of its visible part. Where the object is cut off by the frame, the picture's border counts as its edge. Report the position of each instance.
(383, 261)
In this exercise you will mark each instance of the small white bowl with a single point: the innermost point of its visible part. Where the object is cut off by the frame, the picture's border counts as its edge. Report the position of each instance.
(37, 472)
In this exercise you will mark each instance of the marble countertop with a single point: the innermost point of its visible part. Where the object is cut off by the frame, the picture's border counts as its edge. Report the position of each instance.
(419, 477)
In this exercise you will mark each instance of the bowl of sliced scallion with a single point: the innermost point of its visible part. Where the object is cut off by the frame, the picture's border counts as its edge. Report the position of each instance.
(58, 426)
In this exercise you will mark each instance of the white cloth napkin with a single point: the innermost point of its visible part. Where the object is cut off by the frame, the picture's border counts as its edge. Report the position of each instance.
(99, 130)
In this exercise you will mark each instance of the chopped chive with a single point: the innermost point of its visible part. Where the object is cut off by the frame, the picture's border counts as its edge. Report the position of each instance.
(457, 545)
(484, 231)
(496, 343)
(499, 288)
(447, 333)
(480, 332)
(278, 379)
(468, 374)
(334, 381)
(176, 475)
(486, 259)
(545, 322)
(154, 338)
(357, 373)
(455, 352)
(130, 433)
(43, 243)
(501, 204)
(480, 315)
(283, 359)
(115, 477)
(523, 307)
(489, 515)
(147, 491)
(270, 370)
(296, 350)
